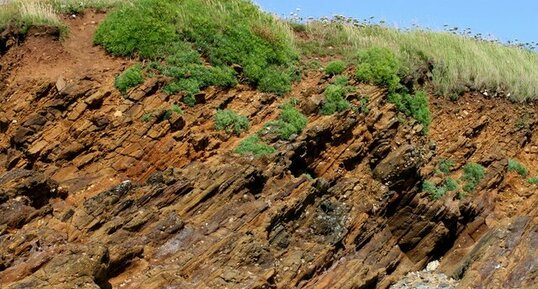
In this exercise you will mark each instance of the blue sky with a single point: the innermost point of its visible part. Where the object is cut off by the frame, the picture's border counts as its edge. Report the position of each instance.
(505, 20)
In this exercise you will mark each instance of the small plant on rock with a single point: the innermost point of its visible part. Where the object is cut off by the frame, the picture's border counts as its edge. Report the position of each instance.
(131, 77)
(174, 109)
(335, 99)
(230, 121)
(290, 122)
(416, 106)
(253, 145)
(533, 181)
(445, 166)
(472, 174)
(378, 66)
(335, 67)
(516, 166)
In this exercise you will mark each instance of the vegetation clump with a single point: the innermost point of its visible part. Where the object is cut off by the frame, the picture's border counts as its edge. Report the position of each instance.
(516, 166)
(445, 166)
(335, 67)
(335, 97)
(290, 122)
(472, 174)
(253, 145)
(533, 181)
(436, 192)
(230, 121)
(131, 77)
(378, 66)
(176, 34)
(416, 106)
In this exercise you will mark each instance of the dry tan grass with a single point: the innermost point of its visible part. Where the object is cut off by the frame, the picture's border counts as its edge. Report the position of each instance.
(458, 61)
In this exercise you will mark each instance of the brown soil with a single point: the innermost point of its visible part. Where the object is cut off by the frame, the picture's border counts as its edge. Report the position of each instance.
(340, 206)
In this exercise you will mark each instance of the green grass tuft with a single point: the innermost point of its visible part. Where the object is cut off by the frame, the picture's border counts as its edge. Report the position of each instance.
(131, 77)
(335, 67)
(230, 121)
(253, 145)
(516, 166)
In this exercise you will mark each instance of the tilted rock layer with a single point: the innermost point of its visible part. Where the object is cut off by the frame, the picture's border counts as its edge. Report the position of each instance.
(93, 197)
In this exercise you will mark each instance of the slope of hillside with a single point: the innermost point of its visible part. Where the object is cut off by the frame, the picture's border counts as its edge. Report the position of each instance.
(104, 189)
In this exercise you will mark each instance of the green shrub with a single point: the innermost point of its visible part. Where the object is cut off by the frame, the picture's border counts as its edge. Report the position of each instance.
(341, 80)
(143, 28)
(472, 174)
(378, 66)
(146, 117)
(230, 121)
(335, 67)
(275, 82)
(533, 181)
(175, 34)
(290, 122)
(434, 191)
(516, 166)
(174, 109)
(131, 77)
(451, 184)
(335, 100)
(253, 145)
(416, 106)
(445, 166)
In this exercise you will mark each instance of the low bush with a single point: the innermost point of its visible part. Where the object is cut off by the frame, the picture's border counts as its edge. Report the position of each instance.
(445, 166)
(335, 99)
(436, 192)
(131, 77)
(378, 66)
(516, 166)
(230, 121)
(290, 122)
(533, 181)
(174, 109)
(416, 106)
(176, 34)
(472, 174)
(335, 67)
(253, 145)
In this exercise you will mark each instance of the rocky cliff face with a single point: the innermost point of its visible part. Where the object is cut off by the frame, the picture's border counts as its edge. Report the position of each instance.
(93, 197)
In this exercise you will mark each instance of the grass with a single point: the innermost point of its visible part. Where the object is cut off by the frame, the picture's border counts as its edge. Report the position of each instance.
(177, 35)
(458, 61)
(290, 122)
(229, 121)
(516, 166)
(265, 47)
(26, 13)
(533, 181)
(253, 145)
(335, 67)
(131, 77)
